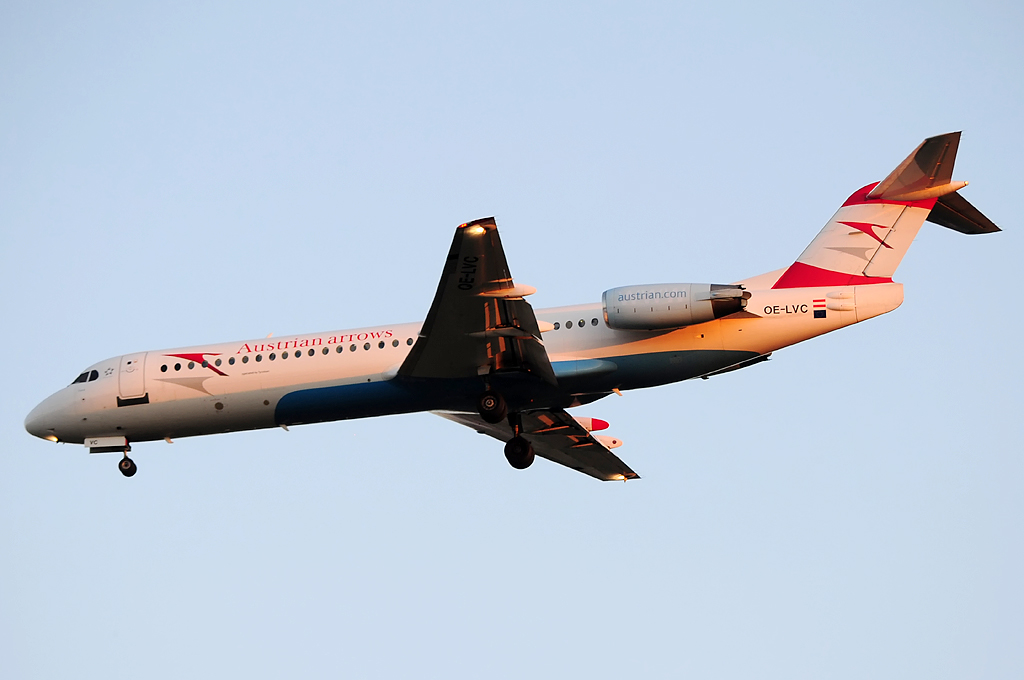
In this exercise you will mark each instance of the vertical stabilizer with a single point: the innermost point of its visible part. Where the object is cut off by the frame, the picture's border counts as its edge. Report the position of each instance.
(867, 238)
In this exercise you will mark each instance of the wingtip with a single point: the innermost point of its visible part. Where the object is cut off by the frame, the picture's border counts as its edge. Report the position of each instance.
(955, 133)
(482, 222)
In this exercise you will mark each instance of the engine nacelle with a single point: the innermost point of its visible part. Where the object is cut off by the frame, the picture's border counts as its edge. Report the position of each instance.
(666, 306)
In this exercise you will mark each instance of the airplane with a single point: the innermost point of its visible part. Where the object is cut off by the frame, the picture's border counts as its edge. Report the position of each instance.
(484, 358)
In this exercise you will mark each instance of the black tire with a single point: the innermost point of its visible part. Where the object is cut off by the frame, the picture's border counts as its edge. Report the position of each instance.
(492, 407)
(127, 467)
(519, 453)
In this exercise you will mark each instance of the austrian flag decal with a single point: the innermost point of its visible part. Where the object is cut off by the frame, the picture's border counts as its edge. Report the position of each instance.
(819, 309)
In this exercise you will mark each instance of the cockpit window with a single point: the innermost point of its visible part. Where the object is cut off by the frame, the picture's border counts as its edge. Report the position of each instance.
(80, 379)
(93, 375)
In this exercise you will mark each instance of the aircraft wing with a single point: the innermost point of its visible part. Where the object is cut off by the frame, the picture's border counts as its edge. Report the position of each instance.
(479, 323)
(557, 436)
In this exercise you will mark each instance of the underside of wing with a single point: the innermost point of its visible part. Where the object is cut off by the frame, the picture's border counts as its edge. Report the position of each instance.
(479, 324)
(557, 436)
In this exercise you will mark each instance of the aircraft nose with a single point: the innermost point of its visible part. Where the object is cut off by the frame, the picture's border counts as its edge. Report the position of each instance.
(39, 422)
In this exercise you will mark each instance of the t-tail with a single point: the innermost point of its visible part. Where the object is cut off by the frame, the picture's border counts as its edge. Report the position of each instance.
(867, 238)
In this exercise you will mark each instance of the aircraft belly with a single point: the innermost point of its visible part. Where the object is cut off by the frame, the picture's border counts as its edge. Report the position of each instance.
(633, 371)
(358, 400)
(648, 370)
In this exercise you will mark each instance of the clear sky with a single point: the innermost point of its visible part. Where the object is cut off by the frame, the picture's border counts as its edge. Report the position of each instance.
(205, 172)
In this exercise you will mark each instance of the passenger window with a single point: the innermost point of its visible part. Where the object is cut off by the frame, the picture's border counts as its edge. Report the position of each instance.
(409, 341)
(394, 343)
(245, 359)
(272, 356)
(231, 361)
(191, 365)
(340, 349)
(177, 367)
(163, 369)
(582, 323)
(352, 348)
(366, 346)
(380, 345)
(94, 375)
(593, 322)
(557, 325)
(259, 357)
(568, 324)
(217, 362)
(327, 350)
(311, 352)
(206, 364)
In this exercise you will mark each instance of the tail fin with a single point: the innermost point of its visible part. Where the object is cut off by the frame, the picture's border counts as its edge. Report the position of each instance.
(865, 241)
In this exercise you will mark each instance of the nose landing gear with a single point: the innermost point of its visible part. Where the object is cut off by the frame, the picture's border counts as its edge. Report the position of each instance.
(127, 466)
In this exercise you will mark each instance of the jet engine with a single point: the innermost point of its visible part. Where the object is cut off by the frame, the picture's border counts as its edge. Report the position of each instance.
(667, 306)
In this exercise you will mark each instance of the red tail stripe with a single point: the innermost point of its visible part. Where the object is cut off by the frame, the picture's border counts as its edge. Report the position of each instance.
(800, 275)
(861, 198)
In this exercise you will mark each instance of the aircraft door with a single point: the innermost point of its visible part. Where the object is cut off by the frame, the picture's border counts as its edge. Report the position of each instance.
(131, 379)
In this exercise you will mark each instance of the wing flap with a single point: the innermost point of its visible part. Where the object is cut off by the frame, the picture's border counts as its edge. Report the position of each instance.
(557, 436)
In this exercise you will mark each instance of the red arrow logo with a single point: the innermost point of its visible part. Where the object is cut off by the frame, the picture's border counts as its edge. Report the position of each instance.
(868, 229)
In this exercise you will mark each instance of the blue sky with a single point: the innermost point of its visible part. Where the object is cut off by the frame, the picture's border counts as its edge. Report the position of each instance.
(200, 173)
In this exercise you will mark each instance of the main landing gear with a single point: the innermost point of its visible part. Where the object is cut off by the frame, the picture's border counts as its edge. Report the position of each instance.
(519, 453)
(127, 466)
(493, 409)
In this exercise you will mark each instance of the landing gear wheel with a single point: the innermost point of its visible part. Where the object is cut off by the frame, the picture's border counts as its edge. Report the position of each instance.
(519, 453)
(127, 466)
(492, 407)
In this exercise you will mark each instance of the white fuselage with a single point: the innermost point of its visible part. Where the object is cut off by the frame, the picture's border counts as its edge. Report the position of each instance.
(335, 375)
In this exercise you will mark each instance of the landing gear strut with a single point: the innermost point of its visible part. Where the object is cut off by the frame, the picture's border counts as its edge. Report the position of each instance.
(127, 466)
(519, 453)
(492, 407)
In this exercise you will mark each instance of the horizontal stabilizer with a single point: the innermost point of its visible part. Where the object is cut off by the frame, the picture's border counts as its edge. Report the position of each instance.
(926, 173)
(953, 211)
